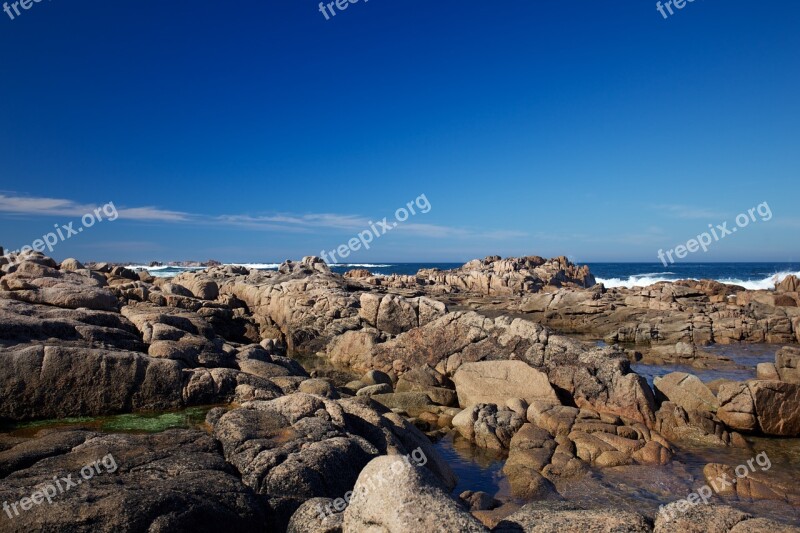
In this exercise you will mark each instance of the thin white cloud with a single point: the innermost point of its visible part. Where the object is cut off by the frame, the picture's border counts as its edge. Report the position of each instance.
(28, 205)
(432, 230)
(321, 220)
(37, 206)
(14, 204)
(153, 214)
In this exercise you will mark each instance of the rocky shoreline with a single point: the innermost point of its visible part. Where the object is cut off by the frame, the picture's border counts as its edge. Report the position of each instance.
(485, 352)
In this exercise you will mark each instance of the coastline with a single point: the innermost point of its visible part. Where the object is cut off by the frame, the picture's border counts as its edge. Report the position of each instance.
(486, 354)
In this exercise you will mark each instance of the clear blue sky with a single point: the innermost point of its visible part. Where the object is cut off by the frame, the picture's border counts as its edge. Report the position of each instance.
(256, 130)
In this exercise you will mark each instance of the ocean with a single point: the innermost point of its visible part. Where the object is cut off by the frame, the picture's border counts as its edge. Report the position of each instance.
(749, 275)
(753, 276)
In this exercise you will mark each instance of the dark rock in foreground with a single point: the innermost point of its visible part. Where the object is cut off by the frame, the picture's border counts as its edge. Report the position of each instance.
(172, 481)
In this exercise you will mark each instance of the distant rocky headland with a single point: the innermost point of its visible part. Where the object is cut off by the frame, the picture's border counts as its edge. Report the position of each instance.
(179, 264)
(318, 388)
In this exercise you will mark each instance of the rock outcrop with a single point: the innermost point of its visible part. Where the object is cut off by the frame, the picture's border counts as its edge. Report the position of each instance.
(670, 314)
(303, 446)
(171, 481)
(298, 450)
(585, 376)
(769, 407)
(721, 518)
(493, 276)
(556, 517)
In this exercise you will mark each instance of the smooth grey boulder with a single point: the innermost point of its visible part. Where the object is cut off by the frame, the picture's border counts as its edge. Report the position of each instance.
(394, 495)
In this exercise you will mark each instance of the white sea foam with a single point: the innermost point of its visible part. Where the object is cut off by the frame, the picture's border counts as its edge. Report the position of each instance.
(169, 271)
(639, 280)
(274, 266)
(164, 271)
(257, 266)
(767, 283)
(152, 269)
(645, 280)
(142, 267)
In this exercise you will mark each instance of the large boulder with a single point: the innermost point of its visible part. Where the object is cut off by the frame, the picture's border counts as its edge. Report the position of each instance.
(736, 409)
(21, 322)
(496, 382)
(64, 381)
(71, 264)
(426, 379)
(687, 391)
(787, 364)
(399, 496)
(788, 284)
(37, 283)
(412, 403)
(396, 315)
(203, 289)
(54, 382)
(460, 337)
(487, 426)
(771, 407)
(777, 407)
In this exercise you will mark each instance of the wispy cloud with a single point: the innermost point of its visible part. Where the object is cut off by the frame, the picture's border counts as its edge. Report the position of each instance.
(15, 204)
(154, 214)
(304, 222)
(690, 212)
(38, 206)
(29, 205)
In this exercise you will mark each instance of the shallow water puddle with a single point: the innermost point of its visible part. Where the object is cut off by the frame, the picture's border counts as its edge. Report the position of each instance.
(476, 469)
(636, 488)
(745, 356)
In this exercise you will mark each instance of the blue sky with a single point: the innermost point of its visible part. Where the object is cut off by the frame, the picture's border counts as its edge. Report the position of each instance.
(257, 130)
